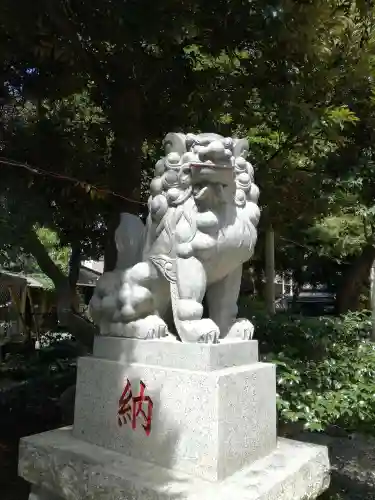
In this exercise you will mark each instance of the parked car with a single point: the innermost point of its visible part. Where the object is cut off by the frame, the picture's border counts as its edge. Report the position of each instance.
(312, 302)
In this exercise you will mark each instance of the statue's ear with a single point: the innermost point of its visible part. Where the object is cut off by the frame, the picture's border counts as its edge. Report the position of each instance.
(240, 148)
(175, 142)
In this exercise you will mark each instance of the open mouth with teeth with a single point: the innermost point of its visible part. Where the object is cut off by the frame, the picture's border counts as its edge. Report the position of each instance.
(211, 173)
(209, 180)
(212, 194)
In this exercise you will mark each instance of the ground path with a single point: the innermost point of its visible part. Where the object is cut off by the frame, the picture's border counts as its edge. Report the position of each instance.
(352, 459)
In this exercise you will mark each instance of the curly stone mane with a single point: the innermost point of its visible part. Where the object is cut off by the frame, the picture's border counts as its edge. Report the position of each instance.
(172, 182)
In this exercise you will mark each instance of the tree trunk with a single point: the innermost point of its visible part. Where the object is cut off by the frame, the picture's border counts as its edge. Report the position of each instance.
(353, 280)
(74, 265)
(110, 250)
(67, 300)
(258, 280)
(297, 287)
(270, 270)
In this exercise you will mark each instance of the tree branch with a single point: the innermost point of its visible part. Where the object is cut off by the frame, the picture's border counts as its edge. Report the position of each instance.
(83, 330)
(35, 247)
(63, 23)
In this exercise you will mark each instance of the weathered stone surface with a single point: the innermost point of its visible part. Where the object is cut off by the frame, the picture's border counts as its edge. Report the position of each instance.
(201, 229)
(76, 470)
(352, 460)
(169, 354)
(41, 493)
(208, 423)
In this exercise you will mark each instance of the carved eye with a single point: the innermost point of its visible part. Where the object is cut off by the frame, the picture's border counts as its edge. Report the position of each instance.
(186, 170)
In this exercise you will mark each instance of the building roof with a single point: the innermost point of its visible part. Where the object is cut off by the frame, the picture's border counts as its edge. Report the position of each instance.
(97, 266)
(88, 276)
(31, 280)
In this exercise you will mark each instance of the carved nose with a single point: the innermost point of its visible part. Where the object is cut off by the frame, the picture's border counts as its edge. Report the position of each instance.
(216, 147)
(215, 151)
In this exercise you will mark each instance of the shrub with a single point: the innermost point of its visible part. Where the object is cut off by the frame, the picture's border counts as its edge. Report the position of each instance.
(325, 368)
(36, 379)
(52, 338)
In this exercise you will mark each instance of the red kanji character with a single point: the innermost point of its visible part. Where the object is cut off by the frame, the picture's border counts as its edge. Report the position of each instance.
(125, 410)
(138, 409)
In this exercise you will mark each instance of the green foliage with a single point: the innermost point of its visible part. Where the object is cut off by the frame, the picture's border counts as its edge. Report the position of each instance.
(57, 353)
(74, 139)
(325, 369)
(332, 496)
(58, 253)
(87, 87)
(338, 236)
(14, 258)
(34, 380)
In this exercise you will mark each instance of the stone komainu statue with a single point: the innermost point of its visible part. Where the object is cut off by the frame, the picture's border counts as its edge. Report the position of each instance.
(201, 228)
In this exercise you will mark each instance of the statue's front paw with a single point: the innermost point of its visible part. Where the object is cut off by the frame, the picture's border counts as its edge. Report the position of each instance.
(209, 338)
(242, 329)
(204, 331)
(151, 327)
(155, 326)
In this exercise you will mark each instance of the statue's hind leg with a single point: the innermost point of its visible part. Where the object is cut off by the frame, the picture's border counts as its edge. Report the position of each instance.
(141, 301)
(222, 298)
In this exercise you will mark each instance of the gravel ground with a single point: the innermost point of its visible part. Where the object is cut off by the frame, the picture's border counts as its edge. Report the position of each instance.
(352, 460)
(353, 465)
(12, 487)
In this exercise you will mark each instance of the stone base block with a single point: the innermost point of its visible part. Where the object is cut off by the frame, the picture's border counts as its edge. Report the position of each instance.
(208, 422)
(61, 467)
(173, 354)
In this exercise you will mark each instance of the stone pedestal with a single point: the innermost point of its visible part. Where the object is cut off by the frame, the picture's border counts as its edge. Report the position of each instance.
(208, 420)
(164, 420)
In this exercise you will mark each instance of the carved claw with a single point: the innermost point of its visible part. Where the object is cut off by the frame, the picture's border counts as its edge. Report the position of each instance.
(151, 327)
(201, 330)
(242, 329)
(158, 332)
(209, 338)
